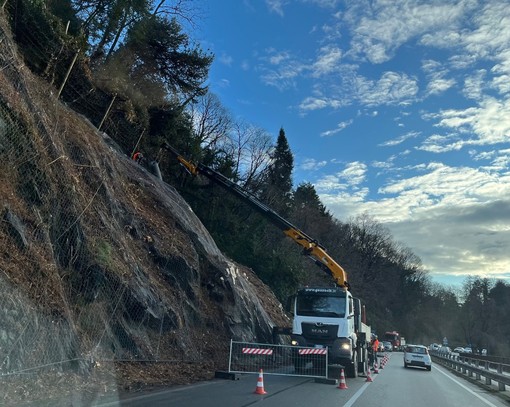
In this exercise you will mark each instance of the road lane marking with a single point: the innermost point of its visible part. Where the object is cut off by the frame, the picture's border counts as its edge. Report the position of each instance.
(467, 388)
(356, 395)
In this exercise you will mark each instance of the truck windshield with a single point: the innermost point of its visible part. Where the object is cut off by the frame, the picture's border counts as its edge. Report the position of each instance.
(326, 306)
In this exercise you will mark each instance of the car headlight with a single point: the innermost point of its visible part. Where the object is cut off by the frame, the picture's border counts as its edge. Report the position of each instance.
(345, 346)
(293, 342)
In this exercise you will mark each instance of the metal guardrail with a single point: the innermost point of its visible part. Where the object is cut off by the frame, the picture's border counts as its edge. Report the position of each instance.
(477, 367)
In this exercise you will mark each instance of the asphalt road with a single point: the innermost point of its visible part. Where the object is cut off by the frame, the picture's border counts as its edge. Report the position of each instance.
(394, 386)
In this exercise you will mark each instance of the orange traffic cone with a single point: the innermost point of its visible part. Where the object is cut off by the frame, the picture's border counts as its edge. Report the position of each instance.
(376, 370)
(369, 377)
(260, 384)
(342, 385)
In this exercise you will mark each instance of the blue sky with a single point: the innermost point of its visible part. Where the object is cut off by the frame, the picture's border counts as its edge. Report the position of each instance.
(397, 108)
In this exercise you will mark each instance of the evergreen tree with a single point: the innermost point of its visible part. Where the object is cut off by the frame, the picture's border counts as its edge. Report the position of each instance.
(278, 184)
(310, 215)
(158, 53)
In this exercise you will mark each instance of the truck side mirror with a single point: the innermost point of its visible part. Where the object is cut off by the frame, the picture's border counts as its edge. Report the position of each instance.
(290, 303)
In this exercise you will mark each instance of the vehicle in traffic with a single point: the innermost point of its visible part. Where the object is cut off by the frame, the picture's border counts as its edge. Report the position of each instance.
(394, 338)
(434, 346)
(388, 346)
(459, 349)
(468, 350)
(417, 355)
(444, 350)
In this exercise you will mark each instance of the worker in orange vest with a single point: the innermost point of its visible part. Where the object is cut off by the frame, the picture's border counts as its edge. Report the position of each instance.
(375, 348)
(138, 156)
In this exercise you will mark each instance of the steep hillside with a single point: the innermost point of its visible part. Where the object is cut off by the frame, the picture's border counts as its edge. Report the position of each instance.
(108, 280)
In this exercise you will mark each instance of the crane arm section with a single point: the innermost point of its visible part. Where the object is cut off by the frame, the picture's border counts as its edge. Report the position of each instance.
(311, 247)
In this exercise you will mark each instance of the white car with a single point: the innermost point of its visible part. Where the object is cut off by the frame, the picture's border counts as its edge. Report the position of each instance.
(468, 350)
(417, 355)
(459, 349)
(433, 346)
(388, 347)
(444, 350)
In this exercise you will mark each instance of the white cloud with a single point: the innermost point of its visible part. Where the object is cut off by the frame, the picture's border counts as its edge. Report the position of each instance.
(327, 62)
(283, 78)
(446, 240)
(430, 66)
(354, 173)
(278, 58)
(311, 164)
(224, 83)
(401, 139)
(226, 59)
(491, 35)
(391, 88)
(456, 218)
(436, 74)
(324, 3)
(276, 6)
(378, 33)
(474, 84)
(283, 70)
(439, 85)
(502, 84)
(490, 122)
(341, 126)
(450, 185)
(316, 103)
(350, 177)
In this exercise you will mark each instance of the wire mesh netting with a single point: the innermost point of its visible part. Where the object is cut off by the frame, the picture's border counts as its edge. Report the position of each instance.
(88, 275)
(75, 294)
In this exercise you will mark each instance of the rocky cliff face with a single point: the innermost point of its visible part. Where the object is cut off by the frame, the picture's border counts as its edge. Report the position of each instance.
(101, 263)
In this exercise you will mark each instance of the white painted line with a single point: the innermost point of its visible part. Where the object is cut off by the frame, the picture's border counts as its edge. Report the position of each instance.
(466, 388)
(357, 394)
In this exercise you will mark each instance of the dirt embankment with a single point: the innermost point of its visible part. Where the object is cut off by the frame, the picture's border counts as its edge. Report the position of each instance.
(108, 280)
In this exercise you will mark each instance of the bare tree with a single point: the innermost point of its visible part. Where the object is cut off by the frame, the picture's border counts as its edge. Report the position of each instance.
(212, 122)
(250, 147)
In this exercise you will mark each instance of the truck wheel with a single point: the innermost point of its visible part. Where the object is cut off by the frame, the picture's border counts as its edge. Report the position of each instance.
(363, 367)
(352, 369)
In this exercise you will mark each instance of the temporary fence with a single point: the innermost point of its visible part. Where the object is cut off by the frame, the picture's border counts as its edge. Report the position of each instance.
(285, 360)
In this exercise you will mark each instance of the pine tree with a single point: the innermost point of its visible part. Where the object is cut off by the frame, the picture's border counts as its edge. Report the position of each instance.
(308, 212)
(278, 185)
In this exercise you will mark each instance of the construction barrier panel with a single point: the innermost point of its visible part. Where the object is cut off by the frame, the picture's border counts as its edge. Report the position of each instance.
(285, 360)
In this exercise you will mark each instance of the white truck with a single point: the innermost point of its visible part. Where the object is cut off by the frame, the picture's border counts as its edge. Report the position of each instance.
(322, 316)
(332, 318)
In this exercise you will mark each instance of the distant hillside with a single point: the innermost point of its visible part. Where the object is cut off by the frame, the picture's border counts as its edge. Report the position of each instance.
(102, 265)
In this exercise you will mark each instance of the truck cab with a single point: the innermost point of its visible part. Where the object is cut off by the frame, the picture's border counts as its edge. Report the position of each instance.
(329, 317)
